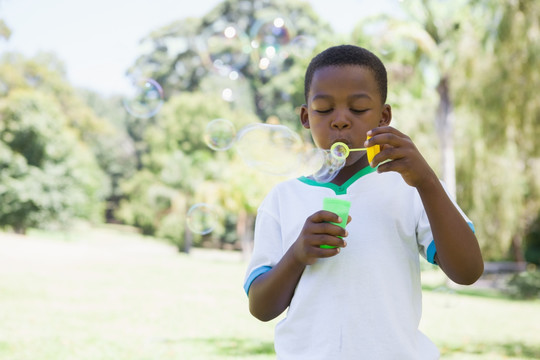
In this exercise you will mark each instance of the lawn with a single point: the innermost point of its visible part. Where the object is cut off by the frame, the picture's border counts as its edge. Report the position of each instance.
(100, 294)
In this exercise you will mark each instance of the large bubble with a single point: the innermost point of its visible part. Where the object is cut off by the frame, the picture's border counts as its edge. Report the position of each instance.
(219, 134)
(312, 161)
(331, 166)
(273, 149)
(144, 99)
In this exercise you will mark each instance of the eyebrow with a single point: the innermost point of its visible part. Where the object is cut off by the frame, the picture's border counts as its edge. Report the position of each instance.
(353, 96)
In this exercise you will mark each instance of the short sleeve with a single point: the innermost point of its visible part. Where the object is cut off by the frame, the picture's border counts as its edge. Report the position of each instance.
(268, 245)
(426, 243)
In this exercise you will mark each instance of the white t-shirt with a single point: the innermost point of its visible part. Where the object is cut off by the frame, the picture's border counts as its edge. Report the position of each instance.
(365, 302)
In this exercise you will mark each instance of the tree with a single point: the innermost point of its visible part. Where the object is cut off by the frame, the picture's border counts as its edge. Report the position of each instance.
(422, 47)
(114, 148)
(46, 175)
(249, 78)
(5, 32)
(30, 87)
(497, 91)
(182, 56)
(488, 53)
(179, 169)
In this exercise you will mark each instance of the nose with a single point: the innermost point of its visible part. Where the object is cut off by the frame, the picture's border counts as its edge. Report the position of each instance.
(340, 121)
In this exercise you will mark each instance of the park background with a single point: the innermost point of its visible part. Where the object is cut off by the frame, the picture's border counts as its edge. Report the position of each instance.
(98, 260)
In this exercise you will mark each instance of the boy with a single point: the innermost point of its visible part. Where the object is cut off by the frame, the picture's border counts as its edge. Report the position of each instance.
(361, 299)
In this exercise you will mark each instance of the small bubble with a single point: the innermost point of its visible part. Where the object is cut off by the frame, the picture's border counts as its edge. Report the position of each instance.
(219, 134)
(202, 218)
(339, 150)
(224, 45)
(145, 98)
(270, 37)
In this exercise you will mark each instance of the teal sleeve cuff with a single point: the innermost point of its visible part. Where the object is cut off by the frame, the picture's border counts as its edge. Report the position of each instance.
(255, 274)
(430, 253)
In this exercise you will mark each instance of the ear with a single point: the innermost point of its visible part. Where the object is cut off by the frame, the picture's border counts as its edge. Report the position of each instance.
(386, 115)
(304, 116)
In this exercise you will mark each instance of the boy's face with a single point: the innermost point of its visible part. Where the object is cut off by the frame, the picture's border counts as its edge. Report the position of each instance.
(344, 103)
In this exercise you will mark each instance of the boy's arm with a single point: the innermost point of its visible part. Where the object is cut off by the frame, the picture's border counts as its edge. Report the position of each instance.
(458, 252)
(271, 293)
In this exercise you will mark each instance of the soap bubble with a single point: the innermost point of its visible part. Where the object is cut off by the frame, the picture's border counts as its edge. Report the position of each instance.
(219, 134)
(302, 46)
(273, 149)
(202, 218)
(144, 99)
(329, 169)
(224, 45)
(313, 159)
(339, 150)
(229, 84)
(269, 38)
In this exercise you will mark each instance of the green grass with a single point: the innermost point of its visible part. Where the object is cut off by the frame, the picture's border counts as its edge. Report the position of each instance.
(104, 294)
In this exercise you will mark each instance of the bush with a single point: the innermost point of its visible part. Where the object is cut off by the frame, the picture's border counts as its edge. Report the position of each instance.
(532, 242)
(525, 285)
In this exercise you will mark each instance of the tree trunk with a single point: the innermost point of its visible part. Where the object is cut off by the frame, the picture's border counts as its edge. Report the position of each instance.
(244, 229)
(188, 235)
(444, 124)
(19, 229)
(516, 249)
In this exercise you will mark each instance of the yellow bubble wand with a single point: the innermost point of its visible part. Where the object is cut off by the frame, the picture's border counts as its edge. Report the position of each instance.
(341, 151)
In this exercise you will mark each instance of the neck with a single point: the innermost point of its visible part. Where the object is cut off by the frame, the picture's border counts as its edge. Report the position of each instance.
(349, 171)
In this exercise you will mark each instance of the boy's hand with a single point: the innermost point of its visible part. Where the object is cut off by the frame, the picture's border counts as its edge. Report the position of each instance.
(318, 231)
(406, 159)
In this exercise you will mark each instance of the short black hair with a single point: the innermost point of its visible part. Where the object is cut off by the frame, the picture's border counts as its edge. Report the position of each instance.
(343, 55)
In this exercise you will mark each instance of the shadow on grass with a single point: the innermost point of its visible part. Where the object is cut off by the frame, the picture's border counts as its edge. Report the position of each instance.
(526, 351)
(483, 293)
(241, 347)
(234, 346)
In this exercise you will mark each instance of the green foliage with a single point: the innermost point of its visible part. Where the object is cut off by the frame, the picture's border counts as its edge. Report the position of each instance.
(489, 53)
(176, 56)
(57, 143)
(180, 169)
(46, 176)
(532, 242)
(525, 285)
(49, 118)
(136, 210)
(498, 138)
(5, 32)
(170, 146)
(173, 229)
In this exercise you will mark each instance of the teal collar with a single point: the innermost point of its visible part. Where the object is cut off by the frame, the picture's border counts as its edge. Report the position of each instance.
(341, 189)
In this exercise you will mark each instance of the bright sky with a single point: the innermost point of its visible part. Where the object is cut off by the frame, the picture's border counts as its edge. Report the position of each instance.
(98, 40)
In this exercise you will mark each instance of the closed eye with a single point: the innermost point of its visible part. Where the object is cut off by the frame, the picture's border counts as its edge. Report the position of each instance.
(356, 111)
(324, 111)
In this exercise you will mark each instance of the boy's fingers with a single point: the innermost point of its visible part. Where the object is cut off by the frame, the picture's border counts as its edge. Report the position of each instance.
(385, 129)
(327, 228)
(325, 216)
(386, 136)
(330, 243)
